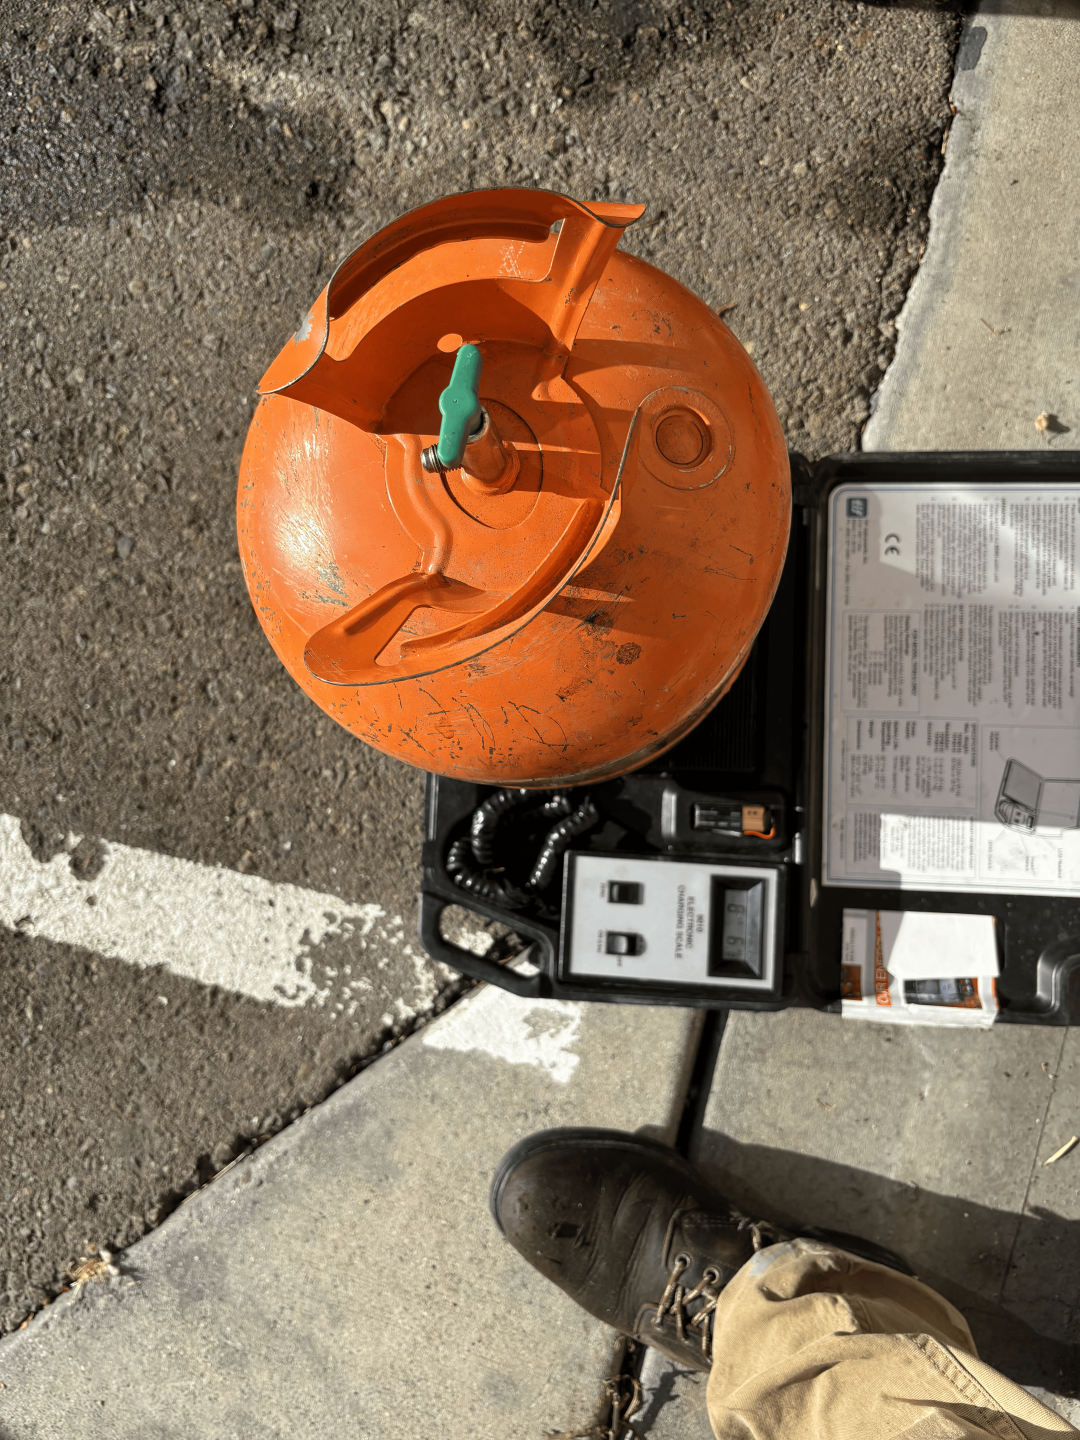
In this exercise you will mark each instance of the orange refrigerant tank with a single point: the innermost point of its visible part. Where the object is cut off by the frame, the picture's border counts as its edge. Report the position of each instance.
(513, 504)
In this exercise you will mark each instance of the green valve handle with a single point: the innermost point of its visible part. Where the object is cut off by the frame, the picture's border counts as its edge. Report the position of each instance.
(459, 406)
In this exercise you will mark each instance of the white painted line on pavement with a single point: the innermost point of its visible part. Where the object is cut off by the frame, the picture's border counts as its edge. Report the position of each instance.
(207, 923)
(522, 1032)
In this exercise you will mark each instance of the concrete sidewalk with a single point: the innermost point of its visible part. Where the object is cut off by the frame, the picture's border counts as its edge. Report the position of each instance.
(346, 1279)
(988, 338)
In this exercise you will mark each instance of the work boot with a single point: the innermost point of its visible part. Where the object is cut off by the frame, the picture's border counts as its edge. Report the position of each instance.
(633, 1233)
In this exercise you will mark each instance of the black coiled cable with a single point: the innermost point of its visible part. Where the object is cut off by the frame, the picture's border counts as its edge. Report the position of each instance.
(462, 867)
(470, 857)
(556, 842)
(486, 817)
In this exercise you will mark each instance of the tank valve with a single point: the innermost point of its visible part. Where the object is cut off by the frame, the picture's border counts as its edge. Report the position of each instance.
(468, 436)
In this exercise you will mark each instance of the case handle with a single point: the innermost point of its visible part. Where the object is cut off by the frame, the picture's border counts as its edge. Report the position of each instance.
(528, 987)
(1057, 963)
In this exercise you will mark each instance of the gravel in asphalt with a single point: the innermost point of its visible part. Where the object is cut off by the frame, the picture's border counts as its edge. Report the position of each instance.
(178, 183)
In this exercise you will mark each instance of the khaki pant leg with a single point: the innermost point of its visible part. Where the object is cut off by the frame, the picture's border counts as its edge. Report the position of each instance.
(811, 1343)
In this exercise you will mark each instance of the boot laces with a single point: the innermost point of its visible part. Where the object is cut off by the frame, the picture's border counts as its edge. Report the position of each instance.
(677, 1299)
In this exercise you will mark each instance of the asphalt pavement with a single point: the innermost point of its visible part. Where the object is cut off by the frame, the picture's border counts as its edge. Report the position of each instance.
(178, 184)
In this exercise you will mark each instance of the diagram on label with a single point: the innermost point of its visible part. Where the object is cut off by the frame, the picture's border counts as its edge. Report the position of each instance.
(1027, 802)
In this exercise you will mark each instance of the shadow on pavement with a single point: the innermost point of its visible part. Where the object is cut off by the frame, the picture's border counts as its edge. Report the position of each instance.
(1014, 1277)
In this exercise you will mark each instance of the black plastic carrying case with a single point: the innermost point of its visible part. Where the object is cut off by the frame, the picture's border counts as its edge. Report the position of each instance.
(903, 734)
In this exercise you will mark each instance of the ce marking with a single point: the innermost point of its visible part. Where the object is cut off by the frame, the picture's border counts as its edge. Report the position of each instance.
(892, 544)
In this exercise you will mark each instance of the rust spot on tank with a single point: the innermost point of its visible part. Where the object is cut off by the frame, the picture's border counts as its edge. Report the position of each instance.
(627, 654)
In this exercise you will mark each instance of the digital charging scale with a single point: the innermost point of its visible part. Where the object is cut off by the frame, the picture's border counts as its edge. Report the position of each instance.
(639, 919)
(891, 745)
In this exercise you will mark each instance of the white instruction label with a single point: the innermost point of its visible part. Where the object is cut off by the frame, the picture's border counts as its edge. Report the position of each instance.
(952, 753)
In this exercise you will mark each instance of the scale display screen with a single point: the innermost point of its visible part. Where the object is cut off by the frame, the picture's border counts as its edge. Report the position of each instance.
(670, 921)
